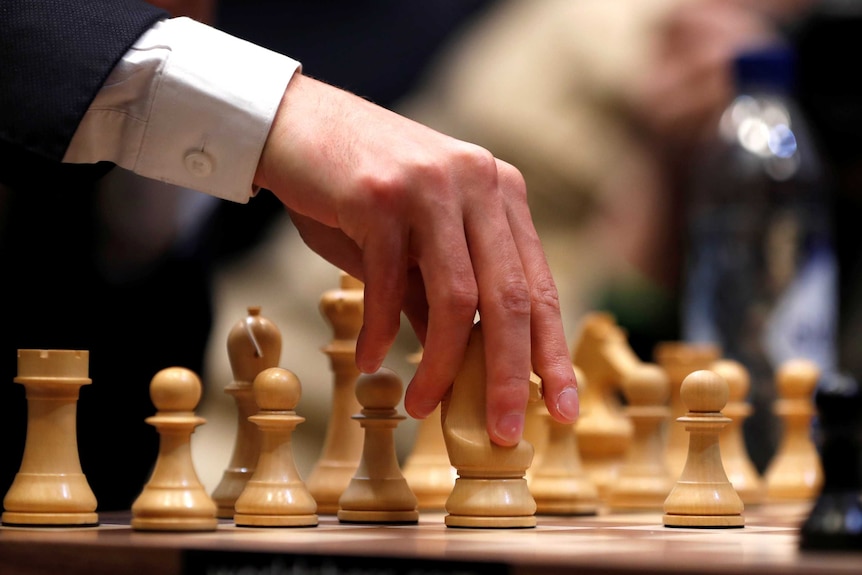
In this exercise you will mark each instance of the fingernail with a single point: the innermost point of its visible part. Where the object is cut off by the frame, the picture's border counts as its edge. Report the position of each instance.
(568, 403)
(366, 363)
(510, 427)
(423, 410)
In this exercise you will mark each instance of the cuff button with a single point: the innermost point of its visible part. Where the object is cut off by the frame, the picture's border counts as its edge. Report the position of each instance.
(198, 164)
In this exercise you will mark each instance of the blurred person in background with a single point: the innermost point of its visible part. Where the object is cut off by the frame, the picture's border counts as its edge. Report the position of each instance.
(599, 103)
(603, 104)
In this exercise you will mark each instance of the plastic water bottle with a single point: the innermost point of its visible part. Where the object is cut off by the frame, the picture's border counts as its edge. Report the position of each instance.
(761, 276)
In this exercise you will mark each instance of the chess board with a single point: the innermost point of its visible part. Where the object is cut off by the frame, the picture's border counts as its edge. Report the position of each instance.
(608, 543)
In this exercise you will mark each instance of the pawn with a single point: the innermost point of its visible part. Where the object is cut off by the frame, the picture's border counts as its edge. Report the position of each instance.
(835, 522)
(678, 359)
(558, 481)
(378, 491)
(427, 468)
(644, 480)
(174, 499)
(275, 495)
(734, 454)
(795, 472)
(703, 495)
(536, 430)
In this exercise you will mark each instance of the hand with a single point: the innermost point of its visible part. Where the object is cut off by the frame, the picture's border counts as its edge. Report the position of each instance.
(433, 226)
(690, 81)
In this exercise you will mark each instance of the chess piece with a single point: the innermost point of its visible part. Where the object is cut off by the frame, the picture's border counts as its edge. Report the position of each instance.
(491, 488)
(679, 359)
(643, 481)
(275, 495)
(253, 345)
(342, 445)
(703, 495)
(734, 454)
(536, 429)
(378, 491)
(174, 499)
(795, 472)
(427, 468)
(558, 482)
(604, 432)
(50, 488)
(834, 521)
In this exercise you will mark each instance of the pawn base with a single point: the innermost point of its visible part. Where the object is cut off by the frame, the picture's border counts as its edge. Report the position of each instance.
(250, 520)
(22, 519)
(705, 521)
(174, 524)
(367, 516)
(491, 521)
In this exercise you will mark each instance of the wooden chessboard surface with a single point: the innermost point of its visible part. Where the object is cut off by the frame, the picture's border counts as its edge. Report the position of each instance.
(604, 544)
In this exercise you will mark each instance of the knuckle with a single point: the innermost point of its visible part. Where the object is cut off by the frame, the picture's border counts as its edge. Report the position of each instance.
(514, 297)
(509, 390)
(481, 160)
(512, 180)
(461, 301)
(545, 294)
(476, 161)
(385, 189)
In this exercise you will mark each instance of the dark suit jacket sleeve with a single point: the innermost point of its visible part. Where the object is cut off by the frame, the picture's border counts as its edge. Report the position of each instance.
(54, 57)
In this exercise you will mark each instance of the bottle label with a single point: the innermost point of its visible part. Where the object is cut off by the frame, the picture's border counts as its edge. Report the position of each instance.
(804, 321)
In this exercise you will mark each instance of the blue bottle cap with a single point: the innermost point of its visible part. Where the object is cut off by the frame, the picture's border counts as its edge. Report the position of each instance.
(769, 67)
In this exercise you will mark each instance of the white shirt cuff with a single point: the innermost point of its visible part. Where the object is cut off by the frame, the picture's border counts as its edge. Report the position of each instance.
(189, 105)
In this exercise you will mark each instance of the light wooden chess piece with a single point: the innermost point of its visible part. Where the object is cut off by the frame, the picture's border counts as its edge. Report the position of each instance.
(50, 488)
(253, 345)
(679, 359)
(644, 482)
(795, 472)
(558, 482)
(174, 499)
(703, 496)
(342, 445)
(275, 495)
(378, 491)
(537, 431)
(734, 454)
(491, 489)
(427, 468)
(604, 432)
